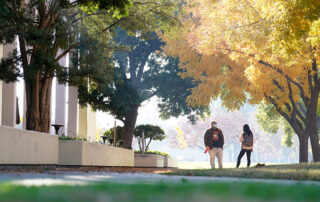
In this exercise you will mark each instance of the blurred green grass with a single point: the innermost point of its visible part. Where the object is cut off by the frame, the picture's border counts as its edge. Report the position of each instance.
(184, 191)
(303, 171)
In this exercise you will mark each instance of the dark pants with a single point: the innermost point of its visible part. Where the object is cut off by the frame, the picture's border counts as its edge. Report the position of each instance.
(248, 157)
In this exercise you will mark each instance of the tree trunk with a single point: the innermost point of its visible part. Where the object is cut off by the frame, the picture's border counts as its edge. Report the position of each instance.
(312, 131)
(314, 139)
(38, 93)
(139, 144)
(147, 147)
(129, 125)
(303, 148)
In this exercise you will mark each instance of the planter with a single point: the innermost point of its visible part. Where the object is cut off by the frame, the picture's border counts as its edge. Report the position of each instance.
(82, 153)
(149, 160)
(27, 147)
(170, 162)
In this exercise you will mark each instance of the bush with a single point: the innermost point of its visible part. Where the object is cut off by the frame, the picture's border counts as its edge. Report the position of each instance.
(153, 152)
(110, 134)
(150, 132)
(72, 138)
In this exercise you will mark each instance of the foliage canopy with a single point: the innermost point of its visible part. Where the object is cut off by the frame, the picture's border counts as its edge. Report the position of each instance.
(254, 51)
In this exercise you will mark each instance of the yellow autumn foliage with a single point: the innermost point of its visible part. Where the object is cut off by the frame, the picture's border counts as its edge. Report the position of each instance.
(245, 50)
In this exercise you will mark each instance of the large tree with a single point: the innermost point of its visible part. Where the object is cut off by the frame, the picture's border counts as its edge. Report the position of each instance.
(265, 50)
(140, 73)
(47, 30)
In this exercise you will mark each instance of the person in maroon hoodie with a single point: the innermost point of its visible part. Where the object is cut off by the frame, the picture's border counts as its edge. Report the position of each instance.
(214, 141)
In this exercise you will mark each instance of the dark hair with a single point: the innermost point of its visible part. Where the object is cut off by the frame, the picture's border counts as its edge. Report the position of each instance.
(247, 130)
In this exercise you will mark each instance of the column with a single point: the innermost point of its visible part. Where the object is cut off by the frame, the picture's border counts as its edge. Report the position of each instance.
(24, 108)
(83, 128)
(9, 104)
(87, 123)
(60, 111)
(9, 95)
(0, 102)
(60, 106)
(92, 125)
(1, 54)
(72, 112)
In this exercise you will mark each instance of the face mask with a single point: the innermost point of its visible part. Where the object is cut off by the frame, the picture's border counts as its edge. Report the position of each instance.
(215, 125)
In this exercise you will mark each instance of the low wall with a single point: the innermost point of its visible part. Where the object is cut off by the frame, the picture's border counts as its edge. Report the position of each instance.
(148, 160)
(170, 162)
(76, 152)
(27, 147)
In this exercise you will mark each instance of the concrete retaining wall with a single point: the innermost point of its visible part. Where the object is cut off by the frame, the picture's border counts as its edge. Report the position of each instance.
(149, 160)
(170, 162)
(91, 154)
(27, 147)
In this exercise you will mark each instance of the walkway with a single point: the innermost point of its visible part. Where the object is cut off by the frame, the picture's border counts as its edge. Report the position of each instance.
(83, 178)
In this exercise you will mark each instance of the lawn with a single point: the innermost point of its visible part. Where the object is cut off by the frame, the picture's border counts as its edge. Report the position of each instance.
(184, 191)
(304, 171)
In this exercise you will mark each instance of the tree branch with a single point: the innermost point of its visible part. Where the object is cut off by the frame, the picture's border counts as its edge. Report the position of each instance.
(8, 5)
(294, 109)
(88, 15)
(23, 51)
(253, 8)
(294, 105)
(153, 3)
(142, 64)
(302, 93)
(315, 75)
(152, 94)
(66, 51)
(292, 120)
(113, 24)
(247, 25)
(288, 106)
(139, 144)
(133, 66)
(147, 147)
(275, 82)
(275, 104)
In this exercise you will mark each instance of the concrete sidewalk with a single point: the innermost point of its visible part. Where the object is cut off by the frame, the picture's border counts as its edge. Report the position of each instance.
(84, 178)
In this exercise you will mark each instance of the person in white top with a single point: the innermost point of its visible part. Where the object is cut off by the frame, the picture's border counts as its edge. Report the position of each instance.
(246, 140)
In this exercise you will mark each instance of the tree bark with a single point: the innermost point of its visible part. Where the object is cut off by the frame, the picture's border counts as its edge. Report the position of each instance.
(303, 149)
(311, 114)
(129, 125)
(38, 93)
(314, 139)
(139, 144)
(147, 147)
(312, 131)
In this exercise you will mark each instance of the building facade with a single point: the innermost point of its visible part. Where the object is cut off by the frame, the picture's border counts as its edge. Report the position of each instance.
(77, 121)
